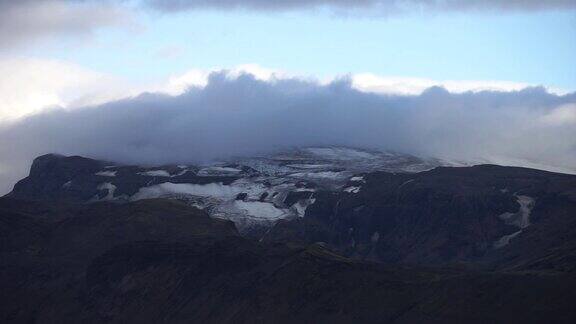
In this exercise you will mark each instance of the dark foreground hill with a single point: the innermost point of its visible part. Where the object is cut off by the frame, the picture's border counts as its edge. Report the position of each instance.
(155, 261)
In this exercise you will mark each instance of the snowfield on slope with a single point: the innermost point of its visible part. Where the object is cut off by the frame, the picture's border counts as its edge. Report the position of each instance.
(260, 186)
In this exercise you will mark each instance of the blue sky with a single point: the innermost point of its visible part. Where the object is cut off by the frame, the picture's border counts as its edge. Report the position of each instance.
(533, 47)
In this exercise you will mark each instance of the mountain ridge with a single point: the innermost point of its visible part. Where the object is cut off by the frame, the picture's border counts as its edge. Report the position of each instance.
(479, 214)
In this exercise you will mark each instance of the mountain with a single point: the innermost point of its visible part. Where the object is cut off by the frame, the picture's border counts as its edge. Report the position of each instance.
(369, 205)
(313, 235)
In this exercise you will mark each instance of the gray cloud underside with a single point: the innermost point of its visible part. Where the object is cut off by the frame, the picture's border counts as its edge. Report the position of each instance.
(22, 21)
(385, 6)
(231, 117)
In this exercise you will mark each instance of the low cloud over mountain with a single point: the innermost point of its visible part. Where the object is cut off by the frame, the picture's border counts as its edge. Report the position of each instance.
(241, 115)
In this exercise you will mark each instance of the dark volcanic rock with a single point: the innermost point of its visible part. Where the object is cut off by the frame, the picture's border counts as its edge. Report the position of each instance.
(242, 196)
(295, 196)
(50, 175)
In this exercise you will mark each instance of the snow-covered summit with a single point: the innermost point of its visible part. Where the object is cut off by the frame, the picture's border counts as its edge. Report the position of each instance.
(254, 192)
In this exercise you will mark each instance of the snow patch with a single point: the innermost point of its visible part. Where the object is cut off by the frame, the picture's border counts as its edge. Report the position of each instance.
(155, 173)
(505, 240)
(357, 179)
(328, 175)
(215, 190)
(179, 173)
(261, 210)
(405, 183)
(111, 189)
(305, 190)
(218, 170)
(352, 189)
(521, 219)
(301, 206)
(211, 190)
(106, 173)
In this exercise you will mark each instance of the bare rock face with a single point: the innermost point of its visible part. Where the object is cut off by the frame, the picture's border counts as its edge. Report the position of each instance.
(49, 179)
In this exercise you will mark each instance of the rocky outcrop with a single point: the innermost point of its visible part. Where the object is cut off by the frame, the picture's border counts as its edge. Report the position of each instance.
(78, 179)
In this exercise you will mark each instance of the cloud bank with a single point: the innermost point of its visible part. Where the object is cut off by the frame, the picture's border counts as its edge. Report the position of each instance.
(239, 114)
(32, 85)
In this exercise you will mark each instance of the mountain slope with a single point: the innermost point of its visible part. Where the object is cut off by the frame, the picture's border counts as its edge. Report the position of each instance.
(499, 216)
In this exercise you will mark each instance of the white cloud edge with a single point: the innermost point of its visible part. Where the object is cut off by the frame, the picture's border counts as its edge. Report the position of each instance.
(33, 85)
(366, 82)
